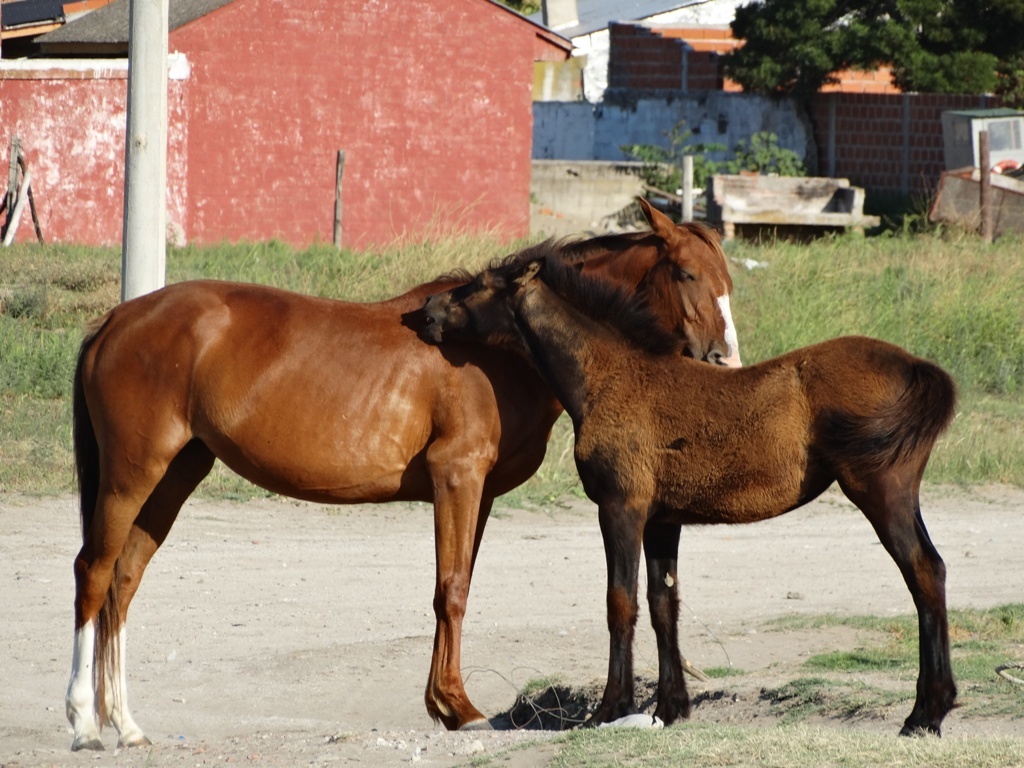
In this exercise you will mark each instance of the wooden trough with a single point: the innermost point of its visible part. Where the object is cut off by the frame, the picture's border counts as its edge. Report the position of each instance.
(785, 201)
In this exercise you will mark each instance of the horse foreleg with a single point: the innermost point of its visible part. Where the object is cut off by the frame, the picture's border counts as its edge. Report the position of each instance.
(459, 518)
(896, 517)
(621, 530)
(661, 548)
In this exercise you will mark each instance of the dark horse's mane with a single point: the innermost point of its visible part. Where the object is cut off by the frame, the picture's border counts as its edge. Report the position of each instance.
(604, 302)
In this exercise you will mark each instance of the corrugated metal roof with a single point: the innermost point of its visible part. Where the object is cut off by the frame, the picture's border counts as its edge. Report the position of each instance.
(109, 24)
(595, 15)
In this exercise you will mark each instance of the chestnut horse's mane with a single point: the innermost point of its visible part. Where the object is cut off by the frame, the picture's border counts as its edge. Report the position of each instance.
(576, 249)
(607, 303)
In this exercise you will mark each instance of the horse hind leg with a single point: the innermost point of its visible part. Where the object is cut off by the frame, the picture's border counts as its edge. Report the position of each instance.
(890, 501)
(99, 658)
(661, 547)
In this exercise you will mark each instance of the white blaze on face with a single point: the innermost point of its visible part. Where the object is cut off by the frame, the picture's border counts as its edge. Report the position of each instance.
(733, 358)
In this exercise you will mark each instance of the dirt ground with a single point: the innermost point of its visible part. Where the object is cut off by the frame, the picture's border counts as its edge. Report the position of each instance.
(276, 633)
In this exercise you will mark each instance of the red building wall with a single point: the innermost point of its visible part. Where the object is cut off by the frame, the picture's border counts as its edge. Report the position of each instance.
(431, 103)
(71, 123)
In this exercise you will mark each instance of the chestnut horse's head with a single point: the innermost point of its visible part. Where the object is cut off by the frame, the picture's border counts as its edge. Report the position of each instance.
(689, 286)
(680, 271)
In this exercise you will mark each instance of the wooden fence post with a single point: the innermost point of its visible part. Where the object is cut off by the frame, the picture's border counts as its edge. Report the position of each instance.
(985, 203)
(337, 197)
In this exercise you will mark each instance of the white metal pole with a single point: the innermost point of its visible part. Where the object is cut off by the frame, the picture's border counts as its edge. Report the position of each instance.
(144, 244)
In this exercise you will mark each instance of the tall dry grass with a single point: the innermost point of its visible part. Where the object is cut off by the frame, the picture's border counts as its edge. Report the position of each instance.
(951, 299)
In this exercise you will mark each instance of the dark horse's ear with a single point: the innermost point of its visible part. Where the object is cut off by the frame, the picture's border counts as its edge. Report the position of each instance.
(529, 271)
(661, 224)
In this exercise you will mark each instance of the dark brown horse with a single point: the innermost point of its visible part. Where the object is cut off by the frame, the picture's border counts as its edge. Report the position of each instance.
(321, 400)
(663, 442)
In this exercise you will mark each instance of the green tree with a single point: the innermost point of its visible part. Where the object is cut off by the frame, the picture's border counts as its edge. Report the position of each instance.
(935, 46)
(1011, 82)
(525, 7)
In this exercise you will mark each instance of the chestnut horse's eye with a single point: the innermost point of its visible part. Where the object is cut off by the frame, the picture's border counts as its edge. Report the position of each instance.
(680, 274)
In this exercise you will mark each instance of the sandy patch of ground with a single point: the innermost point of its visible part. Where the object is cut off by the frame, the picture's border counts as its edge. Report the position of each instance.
(276, 633)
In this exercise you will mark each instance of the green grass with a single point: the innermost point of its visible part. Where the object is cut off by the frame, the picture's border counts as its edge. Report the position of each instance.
(951, 299)
(957, 302)
(870, 684)
(717, 673)
(980, 640)
(787, 746)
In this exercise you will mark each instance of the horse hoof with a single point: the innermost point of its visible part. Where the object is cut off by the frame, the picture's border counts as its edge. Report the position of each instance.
(135, 741)
(477, 725)
(92, 743)
(920, 731)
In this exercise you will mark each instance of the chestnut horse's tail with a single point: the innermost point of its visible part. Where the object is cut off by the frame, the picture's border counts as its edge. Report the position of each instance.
(87, 470)
(905, 426)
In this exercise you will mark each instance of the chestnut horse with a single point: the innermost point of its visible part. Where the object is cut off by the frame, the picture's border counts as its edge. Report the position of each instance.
(326, 401)
(663, 442)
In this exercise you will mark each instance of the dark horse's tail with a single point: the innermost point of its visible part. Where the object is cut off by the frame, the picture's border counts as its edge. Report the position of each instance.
(87, 470)
(907, 425)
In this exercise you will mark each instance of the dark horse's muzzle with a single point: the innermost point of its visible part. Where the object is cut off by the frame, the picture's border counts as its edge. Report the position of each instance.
(435, 310)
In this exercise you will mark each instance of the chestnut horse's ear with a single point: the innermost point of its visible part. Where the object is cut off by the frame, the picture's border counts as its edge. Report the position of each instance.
(529, 272)
(661, 224)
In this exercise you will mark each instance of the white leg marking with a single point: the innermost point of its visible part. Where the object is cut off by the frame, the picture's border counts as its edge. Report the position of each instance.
(116, 690)
(80, 702)
(733, 359)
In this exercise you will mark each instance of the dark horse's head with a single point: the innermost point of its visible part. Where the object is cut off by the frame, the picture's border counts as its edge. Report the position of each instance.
(451, 315)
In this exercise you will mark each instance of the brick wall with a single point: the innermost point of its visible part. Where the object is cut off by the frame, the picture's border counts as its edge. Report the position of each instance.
(884, 142)
(652, 58)
(643, 60)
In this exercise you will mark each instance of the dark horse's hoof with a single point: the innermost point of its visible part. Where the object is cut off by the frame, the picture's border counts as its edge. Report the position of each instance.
(477, 725)
(920, 730)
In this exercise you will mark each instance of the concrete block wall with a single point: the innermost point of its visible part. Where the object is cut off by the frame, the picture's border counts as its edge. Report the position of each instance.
(585, 131)
(885, 143)
(575, 196)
